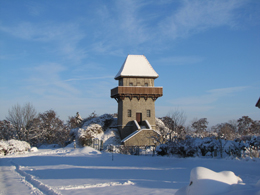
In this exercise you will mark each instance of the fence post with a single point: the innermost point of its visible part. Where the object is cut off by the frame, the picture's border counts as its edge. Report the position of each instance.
(101, 145)
(250, 151)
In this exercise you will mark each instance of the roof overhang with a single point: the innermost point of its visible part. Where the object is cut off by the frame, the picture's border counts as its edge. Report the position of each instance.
(258, 103)
(129, 76)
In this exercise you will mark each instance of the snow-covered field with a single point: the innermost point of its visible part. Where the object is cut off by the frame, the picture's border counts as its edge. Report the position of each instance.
(87, 171)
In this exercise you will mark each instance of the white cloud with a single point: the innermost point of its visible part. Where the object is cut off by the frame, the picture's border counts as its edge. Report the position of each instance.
(64, 36)
(45, 80)
(196, 16)
(131, 27)
(128, 26)
(131, 21)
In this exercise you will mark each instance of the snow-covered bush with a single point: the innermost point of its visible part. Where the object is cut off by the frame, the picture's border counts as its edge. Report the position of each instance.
(162, 149)
(92, 131)
(102, 128)
(7, 130)
(33, 149)
(3, 147)
(210, 146)
(104, 121)
(75, 121)
(164, 130)
(13, 146)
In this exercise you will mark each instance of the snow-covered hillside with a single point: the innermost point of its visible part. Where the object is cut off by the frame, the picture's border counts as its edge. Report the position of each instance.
(88, 171)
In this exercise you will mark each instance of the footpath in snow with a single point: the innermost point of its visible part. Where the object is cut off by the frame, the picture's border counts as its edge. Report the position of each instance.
(88, 171)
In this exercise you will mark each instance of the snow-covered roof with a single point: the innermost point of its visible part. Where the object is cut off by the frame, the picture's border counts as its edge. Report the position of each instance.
(136, 66)
(258, 103)
(136, 132)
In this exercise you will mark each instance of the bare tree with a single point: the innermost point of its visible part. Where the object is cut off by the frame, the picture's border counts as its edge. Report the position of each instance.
(47, 128)
(255, 128)
(200, 126)
(178, 116)
(245, 125)
(74, 122)
(20, 117)
(175, 121)
(234, 124)
(226, 130)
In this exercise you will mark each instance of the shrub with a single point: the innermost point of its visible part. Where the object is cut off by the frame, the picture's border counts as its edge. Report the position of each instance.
(14, 146)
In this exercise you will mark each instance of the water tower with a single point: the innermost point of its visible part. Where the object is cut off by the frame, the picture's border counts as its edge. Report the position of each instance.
(136, 95)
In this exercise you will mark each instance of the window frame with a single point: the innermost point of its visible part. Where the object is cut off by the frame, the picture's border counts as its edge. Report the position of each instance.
(148, 113)
(129, 113)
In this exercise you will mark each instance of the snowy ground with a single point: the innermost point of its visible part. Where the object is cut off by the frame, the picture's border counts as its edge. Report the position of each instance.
(87, 171)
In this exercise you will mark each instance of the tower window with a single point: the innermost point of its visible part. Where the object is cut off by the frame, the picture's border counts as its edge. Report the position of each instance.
(146, 84)
(129, 113)
(130, 84)
(148, 113)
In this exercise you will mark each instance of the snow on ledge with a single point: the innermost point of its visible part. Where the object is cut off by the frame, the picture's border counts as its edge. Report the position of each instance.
(137, 125)
(148, 124)
(135, 133)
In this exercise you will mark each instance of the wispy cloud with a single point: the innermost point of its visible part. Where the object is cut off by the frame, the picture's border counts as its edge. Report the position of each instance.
(45, 80)
(64, 36)
(196, 16)
(128, 26)
(207, 99)
(131, 21)
(123, 25)
(131, 26)
(34, 8)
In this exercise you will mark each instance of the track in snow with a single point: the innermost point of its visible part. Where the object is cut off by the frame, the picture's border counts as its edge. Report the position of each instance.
(36, 186)
(99, 185)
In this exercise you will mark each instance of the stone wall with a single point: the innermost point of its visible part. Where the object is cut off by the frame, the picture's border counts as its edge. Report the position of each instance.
(136, 106)
(143, 138)
(136, 81)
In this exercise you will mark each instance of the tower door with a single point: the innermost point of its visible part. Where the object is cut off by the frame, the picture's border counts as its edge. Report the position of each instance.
(139, 117)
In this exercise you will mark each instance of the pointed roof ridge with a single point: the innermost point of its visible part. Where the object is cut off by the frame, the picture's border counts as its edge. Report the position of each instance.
(136, 66)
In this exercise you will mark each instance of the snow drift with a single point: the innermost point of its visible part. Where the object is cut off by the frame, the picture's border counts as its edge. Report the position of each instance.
(204, 181)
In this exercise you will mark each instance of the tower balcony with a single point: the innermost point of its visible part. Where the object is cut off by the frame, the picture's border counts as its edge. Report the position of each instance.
(121, 92)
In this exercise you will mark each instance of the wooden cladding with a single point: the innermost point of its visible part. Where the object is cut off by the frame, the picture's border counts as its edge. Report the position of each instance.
(146, 92)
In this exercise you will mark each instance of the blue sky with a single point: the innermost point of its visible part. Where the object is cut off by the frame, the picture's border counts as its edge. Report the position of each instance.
(64, 54)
